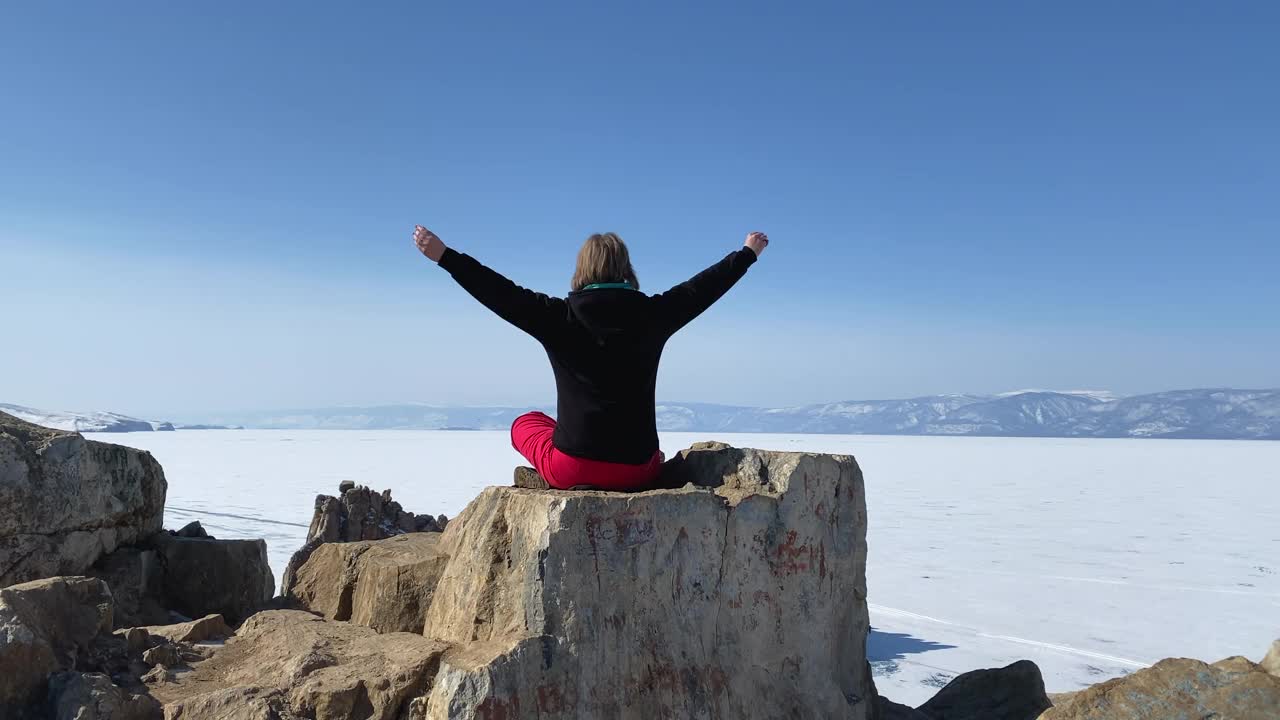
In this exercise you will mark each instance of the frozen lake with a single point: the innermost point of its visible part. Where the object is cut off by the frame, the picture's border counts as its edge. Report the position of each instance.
(1090, 557)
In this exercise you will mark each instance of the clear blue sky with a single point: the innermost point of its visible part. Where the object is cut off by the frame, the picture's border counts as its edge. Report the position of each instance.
(209, 207)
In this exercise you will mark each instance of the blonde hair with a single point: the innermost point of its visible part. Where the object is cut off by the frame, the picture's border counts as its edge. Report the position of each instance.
(603, 259)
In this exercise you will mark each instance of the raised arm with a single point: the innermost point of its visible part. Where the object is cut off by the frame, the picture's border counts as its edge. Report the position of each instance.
(530, 311)
(686, 301)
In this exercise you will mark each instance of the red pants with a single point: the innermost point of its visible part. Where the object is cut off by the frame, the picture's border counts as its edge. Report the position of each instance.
(531, 437)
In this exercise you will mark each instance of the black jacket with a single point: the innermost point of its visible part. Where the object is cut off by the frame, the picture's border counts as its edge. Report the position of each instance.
(604, 346)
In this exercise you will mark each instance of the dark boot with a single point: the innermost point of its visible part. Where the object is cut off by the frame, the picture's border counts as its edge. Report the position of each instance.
(527, 477)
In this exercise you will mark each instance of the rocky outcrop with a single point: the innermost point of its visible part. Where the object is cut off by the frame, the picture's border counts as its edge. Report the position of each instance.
(740, 595)
(202, 576)
(737, 593)
(285, 664)
(359, 513)
(1014, 692)
(385, 585)
(45, 626)
(209, 627)
(59, 659)
(69, 501)
(356, 514)
(1178, 688)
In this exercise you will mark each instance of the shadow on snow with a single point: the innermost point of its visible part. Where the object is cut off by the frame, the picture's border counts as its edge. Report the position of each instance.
(895, 646)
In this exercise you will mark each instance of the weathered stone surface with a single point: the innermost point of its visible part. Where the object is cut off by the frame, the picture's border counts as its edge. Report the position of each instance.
(1014, 692)
(357, 514)
(203, 577)
(209, 627)
(92, 696)
(1179, 688)
(743, 598)
(1271, 663)
(44, 626)
(158, 674)
(386, 585)
(133, 575)
(238, 703)
(285, 663)
(68, 501)
(166, 654)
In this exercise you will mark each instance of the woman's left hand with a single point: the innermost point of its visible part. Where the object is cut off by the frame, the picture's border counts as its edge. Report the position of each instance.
(429, 243)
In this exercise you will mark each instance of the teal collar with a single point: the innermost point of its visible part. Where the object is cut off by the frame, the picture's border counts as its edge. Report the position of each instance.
(609, 286)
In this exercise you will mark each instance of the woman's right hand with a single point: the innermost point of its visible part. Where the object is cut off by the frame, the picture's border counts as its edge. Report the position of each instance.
(429, 243)
(757, 241)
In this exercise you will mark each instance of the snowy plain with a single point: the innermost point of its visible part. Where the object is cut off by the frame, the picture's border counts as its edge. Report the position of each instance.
(1091, 557)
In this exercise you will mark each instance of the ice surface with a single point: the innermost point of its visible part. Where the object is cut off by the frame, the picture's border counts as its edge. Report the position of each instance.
(1090, 557)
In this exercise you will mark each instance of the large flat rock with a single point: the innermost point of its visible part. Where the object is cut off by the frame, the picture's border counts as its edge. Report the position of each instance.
(286, 664)
(68, 501)
(740, 595)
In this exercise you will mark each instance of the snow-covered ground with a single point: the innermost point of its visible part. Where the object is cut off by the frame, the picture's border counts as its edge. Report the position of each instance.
(1090, 557)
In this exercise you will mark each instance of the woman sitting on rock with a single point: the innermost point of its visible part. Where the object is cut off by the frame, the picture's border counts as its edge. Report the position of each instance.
(604, 341)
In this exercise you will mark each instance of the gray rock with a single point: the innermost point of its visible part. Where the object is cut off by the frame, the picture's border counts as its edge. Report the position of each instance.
(193, 529)
(92, 696)
(45, 626)
(1014, 692)
(346, 485)
(69, 501)
(166, 654)
(206, 577)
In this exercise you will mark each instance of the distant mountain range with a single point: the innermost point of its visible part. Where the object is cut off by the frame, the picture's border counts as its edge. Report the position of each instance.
(95, 421)
(1202, 414)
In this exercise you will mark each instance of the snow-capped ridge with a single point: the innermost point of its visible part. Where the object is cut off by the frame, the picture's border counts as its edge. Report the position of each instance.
(1198, 413)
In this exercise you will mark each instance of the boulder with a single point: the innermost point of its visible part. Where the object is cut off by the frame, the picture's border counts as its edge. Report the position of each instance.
(1014, 692)
(1178, 688)
(45, 626)
(1271, 663)
(357, 514)
(385, 585)
(200, 576)
(92, 696)
(741, 594)
(209, 627)
(286, 663)
(68, 501)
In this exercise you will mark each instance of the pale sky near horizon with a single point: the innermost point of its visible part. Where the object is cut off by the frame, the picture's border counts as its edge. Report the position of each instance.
(209, 208)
